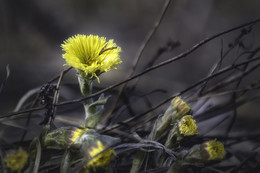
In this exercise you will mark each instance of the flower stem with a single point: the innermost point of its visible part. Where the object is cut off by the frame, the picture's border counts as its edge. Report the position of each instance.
(86, 87)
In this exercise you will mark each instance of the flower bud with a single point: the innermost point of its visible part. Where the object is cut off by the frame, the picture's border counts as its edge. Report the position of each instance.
(213, 150)
(100, 155)
(181, 106)
(175, 111)
(187, 126)
(63, 137)
(96, 150)
(199, 155)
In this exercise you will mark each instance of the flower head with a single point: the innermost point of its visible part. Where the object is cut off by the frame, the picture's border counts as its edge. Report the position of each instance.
(187, 126)
(213, 150)
(63, 137)
(181, 106)
(76, 133)
(16, 161)
(91, 54)
(100, 156)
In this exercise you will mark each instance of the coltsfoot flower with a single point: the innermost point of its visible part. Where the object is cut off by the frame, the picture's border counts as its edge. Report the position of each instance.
(63, 137)
(213, 150)
(177, 109)
(100, 156)
(187, 126)
(199, 155)
(16, 161)
(76, 134)
(91, 54)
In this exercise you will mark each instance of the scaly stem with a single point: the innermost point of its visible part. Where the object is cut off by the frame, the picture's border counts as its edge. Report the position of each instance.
(86, 87)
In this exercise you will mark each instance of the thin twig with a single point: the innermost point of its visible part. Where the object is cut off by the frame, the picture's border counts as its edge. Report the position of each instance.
(125, 107)
(232, 79)
(236, 169)
(177, 94)
(138, 57)
(25, 97)
(239, 138)
(146, 144)
(58, 76)
(137, 116)
(56, 96)
(22, 112)
(234, 96)
(242, 90)
(6, 78)
(38, 108)
(222, 56)
(222, 109)
(29, 118)
(35, 101)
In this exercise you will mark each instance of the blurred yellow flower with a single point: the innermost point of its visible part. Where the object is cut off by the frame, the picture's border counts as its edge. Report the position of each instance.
(62, 138)
(75, 134)
(187, 126)
(100, 156)
(91, 54)
(213, 150)
(16, 161)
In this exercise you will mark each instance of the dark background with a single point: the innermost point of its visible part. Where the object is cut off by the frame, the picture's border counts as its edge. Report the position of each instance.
(31, 32)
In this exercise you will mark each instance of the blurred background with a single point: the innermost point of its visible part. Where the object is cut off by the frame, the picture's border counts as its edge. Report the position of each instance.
(32, 31)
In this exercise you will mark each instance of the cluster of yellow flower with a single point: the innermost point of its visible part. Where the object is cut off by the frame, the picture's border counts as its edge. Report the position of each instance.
(211, 150)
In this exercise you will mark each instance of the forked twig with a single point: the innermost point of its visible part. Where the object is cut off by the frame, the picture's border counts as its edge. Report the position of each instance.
(56, 97)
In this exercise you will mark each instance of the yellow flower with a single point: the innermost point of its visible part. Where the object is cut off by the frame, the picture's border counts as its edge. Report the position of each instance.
(63, 137)
(213, 150)
(91, 54)
(75, 134)
(100, 156)
(16, 161)
(187, 126)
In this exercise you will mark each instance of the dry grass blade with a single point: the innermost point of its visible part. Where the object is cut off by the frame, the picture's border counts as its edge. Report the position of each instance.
(38, 156)
(6, 78)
